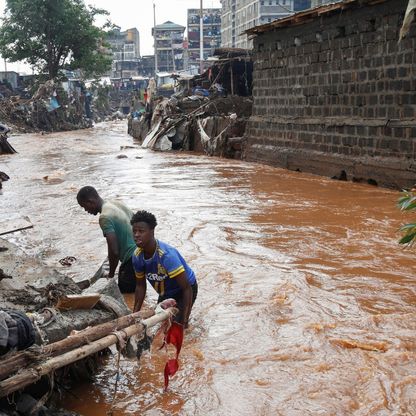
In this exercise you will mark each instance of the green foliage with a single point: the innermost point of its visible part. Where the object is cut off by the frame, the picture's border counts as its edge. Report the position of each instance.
(407, 202)
(52, 35)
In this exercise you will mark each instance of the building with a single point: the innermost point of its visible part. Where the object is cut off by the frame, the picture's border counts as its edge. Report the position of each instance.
(10, 77)
(169, 46)
(125, 48)
(334, 93)
(211, 21)
(147, 66)
(317, 3)
(241, 15)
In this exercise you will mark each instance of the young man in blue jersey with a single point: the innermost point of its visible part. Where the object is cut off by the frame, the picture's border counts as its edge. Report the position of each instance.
(163, 266)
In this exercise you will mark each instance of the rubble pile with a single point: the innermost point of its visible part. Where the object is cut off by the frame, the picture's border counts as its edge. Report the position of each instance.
(42, 114)
(108, 103)
(214, 125)
(53, 109)
(207, 113)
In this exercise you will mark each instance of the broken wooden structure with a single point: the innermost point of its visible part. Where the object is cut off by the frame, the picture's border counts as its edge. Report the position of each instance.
(21, 369)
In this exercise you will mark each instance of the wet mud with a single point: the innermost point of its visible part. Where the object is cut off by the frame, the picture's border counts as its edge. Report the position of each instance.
(306, 301)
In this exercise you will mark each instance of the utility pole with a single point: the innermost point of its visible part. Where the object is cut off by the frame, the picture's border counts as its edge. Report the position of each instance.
(154, 38)
(201, 39)
(173, 55)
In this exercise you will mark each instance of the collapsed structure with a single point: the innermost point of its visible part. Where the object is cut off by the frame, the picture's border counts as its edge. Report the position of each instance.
(207, 114)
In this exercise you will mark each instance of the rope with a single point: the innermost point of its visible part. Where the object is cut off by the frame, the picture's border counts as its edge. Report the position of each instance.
(110, 412)
(121, 345)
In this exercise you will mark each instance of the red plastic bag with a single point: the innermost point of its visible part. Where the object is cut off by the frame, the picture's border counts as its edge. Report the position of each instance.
(174, 336)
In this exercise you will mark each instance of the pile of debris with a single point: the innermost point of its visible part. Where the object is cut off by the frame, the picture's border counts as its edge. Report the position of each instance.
(109, 103)
(54, 328)
(211, 125)
(50, 109)
(207, 114)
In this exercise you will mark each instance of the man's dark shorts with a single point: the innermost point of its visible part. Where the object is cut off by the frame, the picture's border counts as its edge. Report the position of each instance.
(126, 277)
(179, 300)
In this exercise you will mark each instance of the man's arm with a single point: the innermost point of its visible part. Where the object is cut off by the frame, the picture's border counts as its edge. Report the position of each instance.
(113, 254)
(187, 297)
(139, 294)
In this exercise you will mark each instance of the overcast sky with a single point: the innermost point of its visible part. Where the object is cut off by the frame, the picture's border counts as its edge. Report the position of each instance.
(136, 13)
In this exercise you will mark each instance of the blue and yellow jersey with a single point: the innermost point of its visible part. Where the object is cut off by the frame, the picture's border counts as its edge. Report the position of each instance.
(161, 270)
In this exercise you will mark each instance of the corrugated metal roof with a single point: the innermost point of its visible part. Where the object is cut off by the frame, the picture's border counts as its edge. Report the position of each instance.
(231, 52)
(311, 14)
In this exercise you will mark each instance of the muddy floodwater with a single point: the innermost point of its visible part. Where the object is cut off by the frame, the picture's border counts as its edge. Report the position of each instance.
(306, 302)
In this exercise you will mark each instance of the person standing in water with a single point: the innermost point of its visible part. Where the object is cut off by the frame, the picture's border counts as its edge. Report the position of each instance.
(163, 266)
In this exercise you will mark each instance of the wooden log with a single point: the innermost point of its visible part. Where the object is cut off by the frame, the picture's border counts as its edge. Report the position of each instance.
(21, 359)
(31, 375)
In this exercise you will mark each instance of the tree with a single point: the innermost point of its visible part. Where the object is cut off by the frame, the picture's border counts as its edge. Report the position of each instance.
(54, 34)
(407, 202)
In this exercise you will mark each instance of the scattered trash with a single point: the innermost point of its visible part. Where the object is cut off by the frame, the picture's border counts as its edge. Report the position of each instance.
(68, 261)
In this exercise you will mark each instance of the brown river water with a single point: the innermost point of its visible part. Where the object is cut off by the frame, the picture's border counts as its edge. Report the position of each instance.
(306, 302)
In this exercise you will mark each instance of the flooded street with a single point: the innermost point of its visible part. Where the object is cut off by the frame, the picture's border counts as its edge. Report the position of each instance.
(306, 303)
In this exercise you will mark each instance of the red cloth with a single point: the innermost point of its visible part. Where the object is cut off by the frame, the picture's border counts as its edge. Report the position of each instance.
(174, 337)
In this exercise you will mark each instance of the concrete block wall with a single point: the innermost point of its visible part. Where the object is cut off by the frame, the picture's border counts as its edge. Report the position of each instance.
(338, 93)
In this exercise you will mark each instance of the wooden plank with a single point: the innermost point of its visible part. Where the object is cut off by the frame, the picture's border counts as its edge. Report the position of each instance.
(14, 225)
(83, 301)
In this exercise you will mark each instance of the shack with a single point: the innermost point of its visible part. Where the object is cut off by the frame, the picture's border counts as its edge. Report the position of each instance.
(10, 77)
(232, 68)
(334, 93)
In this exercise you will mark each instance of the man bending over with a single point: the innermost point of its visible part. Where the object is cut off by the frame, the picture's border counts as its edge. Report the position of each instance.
(115, 223)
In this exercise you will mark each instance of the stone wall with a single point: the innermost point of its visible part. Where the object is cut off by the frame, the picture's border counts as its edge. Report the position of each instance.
(336, 96)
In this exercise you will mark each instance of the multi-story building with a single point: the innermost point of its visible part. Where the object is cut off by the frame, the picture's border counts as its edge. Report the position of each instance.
(317, 3)
(169, 46)
(147, 66)
(125, 48)
(240, 15)
(211, 26)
